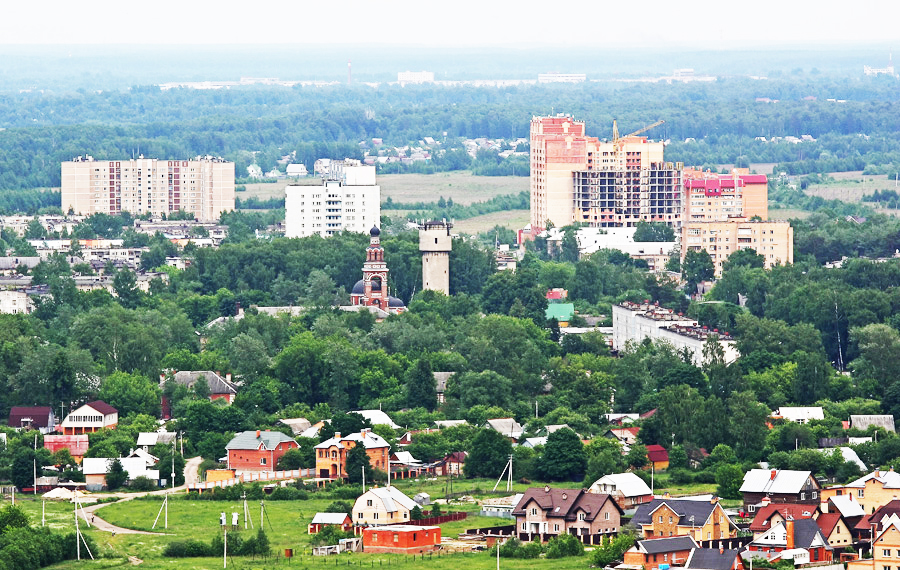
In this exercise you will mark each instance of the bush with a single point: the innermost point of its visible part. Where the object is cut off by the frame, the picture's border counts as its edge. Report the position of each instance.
(680, 476)
(340, 507)
(564, 545)
(188, 549)
(143, 484)
(515, 548)
(331, 534)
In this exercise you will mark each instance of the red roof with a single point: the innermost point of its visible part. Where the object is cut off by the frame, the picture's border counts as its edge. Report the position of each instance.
(648, 414)
(76, 444)
(797, 511)
(657, 453)
(39, 415)
(102, 407)
(827, 522)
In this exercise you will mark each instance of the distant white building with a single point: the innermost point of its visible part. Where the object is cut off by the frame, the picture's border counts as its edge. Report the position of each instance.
(415, 77)
(348, 200)
(14, 302)
(554, 77)
(297, 170)
(799, 414)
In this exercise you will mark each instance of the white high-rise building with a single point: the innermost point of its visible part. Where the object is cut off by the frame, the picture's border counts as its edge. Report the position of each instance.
(348, 200)
(203, 186)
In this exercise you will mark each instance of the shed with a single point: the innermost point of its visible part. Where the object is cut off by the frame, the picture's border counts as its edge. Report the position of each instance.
(422, 499)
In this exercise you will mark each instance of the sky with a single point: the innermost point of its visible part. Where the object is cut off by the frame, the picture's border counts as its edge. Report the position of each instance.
(458, 23)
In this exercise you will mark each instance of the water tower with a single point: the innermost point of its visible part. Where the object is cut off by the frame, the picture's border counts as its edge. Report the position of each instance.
(435, 244)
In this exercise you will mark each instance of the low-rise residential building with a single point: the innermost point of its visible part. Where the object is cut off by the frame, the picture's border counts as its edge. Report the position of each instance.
(778, 486)
(658, 456)
(862, 422)
(799, 414)
(715, 559)
(790, 535)
(382, 506)
(885, 550)
(89, 418)
(702, 520)
(15, 302)
(451, 464)
(258, 450)
(40, 418)
(875, 523)
(76, 445)
(401, 539)
(331, 454)
(321, 520)
(870, 491)
(96, 468)
(771, 514)
(220, 386)
(627, 489)
(835, 530)
(506, 426)
(651, 553)
(544, 511)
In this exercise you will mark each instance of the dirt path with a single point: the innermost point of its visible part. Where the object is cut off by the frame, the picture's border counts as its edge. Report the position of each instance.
(191, 475)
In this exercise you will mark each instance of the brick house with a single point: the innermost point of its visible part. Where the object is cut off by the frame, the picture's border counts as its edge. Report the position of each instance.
(401, 539)
(549, 511)
(89, 418)
(702, 520)
(77, 445)
(650, 553)
(885, 550)
(321, 520)
(331, 454)
(658, 456)
(870, 491)
(778, 486)
(258, 450)
(872, 525)
(770, 514)
(835, 530)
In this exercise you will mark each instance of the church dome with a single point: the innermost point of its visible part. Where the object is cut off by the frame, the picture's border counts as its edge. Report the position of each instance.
(359, 288)
(395, 302)
(374, 232)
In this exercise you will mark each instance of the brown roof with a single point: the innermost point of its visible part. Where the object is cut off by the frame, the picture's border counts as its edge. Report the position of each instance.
(564, 503)
(827, 522)
(892, 508)
(657, 453)
(39, 415)
(763, 515)
(102, 407)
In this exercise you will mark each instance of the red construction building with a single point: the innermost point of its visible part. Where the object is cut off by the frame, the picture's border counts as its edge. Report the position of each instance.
(401, 539)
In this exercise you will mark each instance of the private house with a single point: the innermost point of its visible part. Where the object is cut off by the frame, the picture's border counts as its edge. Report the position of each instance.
(715, 559)
(885, 550)
(382, 506)
(873, 490)
(89, 418)
(779, 486)
(835, 530)
(627, 489)
(771, 514)
(701, 520)
(258, 450)
(791, 535)
(452, 464)
(220, 388)
(321, 520)
(878, 521)
(297, 425)
(650, 553)
(851, 513)
(862, 422)
(96, 468)
(77, 445)
(377, 417)
(545, 511)
(331, 454)
(147, 440)
(658, 457)
(625, 436)
(40, 418)
(507, 426)
(799, 414)
(401, 539)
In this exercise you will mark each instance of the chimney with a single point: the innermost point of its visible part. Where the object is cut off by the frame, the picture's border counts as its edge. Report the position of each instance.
(714, 500)
(774, 474)
(789, 527)
(337, 435)
(257, 434)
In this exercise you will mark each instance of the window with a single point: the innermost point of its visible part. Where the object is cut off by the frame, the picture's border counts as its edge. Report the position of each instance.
(262, 460)
(556, 528)
(581, 516)
(860, 493)
(815, 494)
(886, 552)
(359, 515)
(369, 503)
(524, 526)
(670, 519)
(660, 518)
(802, 496)
(533, 511)
(396, 537)
(606, 515)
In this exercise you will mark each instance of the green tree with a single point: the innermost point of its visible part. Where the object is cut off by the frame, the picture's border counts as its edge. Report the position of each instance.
(729, 479)
(357, 460)
(115, 475)
(125, 286)
(744, 257)
(637, 457)
(131, 394)
(564, 457)
(878, 365)
(488, 455)
(166, 455)
(604, 458)
(420, 386)
(12, 517)
(697, 266)
(653, 231)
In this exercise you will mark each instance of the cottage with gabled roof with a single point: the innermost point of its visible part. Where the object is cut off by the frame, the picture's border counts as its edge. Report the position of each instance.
(382, 505)
(792, 534)
(546, 511)
(258, 450)
(89, 418)
(321, 520)
(220, 386)
(862, 422)
(702, 520)
(650, 553)
(506, 426)
(770, 514)
(715, 559)
(627, 489)
(885, 550)
(779, 486)
(40, 418)
(873, 490)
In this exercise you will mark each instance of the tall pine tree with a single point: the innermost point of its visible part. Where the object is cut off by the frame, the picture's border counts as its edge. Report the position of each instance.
(420, 386)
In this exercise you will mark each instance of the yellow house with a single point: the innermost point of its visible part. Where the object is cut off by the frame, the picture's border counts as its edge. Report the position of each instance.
(382, 505)
(870, 491)
(702, 520)
(885, 551)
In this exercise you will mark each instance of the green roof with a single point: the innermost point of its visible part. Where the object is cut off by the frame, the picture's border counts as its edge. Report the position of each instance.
(560, 311)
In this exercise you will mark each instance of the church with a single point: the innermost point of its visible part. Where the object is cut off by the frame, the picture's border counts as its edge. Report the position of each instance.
(372, 289)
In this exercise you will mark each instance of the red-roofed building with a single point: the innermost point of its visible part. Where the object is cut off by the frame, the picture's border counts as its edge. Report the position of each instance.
(835, 530)
(658, 456)
(40, 418)
(89, 418)
(557, 294)
(770, 514)
(626, 436)
(76, 444)
(713, 197)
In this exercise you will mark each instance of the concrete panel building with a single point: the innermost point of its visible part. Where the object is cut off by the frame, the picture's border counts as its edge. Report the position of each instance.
(712, 197)
(347, 200)
(435, 244)
(203, 186)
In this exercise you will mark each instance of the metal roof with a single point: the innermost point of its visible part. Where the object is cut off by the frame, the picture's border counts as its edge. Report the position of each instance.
(249, 440)
(774, 481)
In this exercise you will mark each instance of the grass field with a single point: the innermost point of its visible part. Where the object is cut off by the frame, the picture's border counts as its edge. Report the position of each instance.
(513, 219)
(460, 185)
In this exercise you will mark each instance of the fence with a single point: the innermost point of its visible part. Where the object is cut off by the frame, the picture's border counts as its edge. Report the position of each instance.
(727, 543)
(587, 539)
(253, 477)
(507, 530)
(438, 520)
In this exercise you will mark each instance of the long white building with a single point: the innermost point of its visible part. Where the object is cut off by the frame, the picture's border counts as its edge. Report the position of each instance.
(203, 186)
(348, 200)
(634, 322)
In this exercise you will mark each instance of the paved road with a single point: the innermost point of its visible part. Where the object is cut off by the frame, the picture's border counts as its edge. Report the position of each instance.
(191, 475)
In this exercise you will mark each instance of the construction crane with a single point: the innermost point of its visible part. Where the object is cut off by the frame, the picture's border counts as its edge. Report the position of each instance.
(616, 136)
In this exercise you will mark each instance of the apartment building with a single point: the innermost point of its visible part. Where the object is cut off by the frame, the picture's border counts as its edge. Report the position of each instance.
(347, 200)
(712, 197)
(576, 178)
(203, 186)
(774, 240)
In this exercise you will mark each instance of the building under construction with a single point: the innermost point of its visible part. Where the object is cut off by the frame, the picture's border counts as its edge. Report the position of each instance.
(615, 183)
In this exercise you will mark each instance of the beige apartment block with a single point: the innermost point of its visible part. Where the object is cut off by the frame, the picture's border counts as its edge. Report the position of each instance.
(203, 186)
(712, 197)
(774, 240)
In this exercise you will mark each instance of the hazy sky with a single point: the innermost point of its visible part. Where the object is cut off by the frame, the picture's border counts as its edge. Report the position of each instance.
(700, 23)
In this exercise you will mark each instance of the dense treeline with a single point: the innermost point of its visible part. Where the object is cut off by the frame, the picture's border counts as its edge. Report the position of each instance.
(262, 124)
